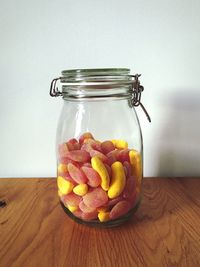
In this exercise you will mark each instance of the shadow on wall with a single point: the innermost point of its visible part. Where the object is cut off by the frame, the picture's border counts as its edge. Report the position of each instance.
(179, 140)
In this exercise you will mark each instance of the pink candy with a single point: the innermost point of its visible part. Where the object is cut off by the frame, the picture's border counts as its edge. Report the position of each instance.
(78, 155)
(114, 201)
(85, 208)
(96, 198)
(99, 154)
(87, 216)
(73, 144)
(112, 156)
(62, 150)
(129, 189)
(121, 208)
(123, 155)
(93, 177)
(76, 174)
(85, 136)
(107, 146)
(71, 199)
(128, 168)
(94, 144)
(108, 168)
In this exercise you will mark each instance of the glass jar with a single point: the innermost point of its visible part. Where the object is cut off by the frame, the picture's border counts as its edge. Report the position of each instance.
(99, 145)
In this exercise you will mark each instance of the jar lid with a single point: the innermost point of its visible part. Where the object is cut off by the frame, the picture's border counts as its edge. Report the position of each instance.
(95, 72)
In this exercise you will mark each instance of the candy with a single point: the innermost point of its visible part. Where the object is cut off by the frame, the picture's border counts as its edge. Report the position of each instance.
(69, 178)
(136, 162)
(94, 144)
(118, 180)
(100, 155)
(120, 143)
(120, 209)
(64, 186)
(72, 208)
(62, 149)
(93, 177)
(87, 164)
(107, 146)
(108, 168)
(85, 208)
(104, 216)
(130, 187)
(78, 213)
(87, 216)
(62, 169)
(73, 144)
(123, 155)
(128, 168)
(64, 160)
(78, 155)
(85, 136)
(76, 174)
(72, 199)
(80, 189)
(125, 171)
(98, 166)
(112, 156)
(103, 208)
(114, 201)
(98, 180)
(86, 147)
(95, 198)
(132, 199)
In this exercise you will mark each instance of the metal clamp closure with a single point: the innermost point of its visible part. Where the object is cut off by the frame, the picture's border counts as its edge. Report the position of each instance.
(53, 89)
(136, 94)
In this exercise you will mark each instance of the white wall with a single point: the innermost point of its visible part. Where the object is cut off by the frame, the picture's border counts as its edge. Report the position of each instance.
(160, 39)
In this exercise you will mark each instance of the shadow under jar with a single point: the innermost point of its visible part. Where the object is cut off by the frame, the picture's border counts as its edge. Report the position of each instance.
(99, 145)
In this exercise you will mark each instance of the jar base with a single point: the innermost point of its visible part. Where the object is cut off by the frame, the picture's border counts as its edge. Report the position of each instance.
(111, 223)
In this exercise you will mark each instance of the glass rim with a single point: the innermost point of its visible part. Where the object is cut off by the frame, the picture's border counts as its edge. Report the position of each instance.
(95, 71)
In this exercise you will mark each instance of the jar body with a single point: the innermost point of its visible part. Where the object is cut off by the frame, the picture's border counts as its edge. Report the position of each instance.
(99, 160)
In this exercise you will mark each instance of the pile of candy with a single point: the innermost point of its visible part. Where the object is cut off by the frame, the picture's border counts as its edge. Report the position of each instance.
(98, 180)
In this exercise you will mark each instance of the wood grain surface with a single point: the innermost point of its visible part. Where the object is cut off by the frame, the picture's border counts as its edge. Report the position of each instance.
(35, 231)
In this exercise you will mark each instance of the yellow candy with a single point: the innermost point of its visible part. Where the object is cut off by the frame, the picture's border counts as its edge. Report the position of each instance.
(64, 186)
(99, 167)
(72, 208)
(120, 144)
(136, 162)
(62, 168)
(118, 180)
(80, 189)
(104, 216)
(60, 194)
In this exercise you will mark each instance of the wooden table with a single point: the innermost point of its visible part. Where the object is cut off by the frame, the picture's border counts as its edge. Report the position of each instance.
(35, 231)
